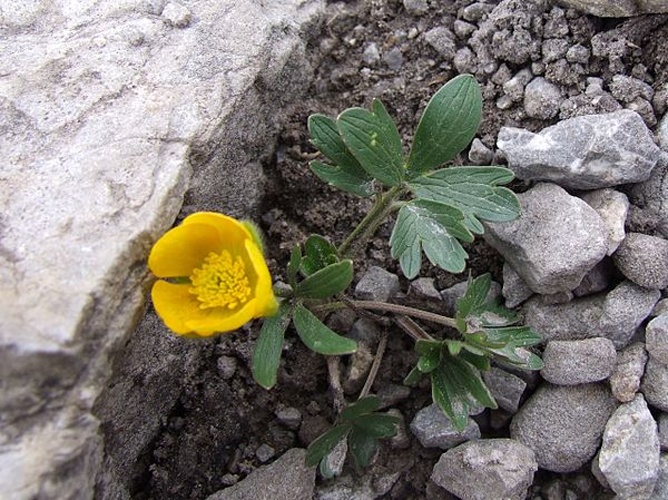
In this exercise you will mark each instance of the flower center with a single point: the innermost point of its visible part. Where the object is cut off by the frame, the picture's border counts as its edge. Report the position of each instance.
(221, 281)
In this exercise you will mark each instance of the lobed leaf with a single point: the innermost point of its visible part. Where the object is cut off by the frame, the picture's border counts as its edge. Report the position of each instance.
(448, 124)
(362, 446)
(318, 337)
(373, 139)
(378, 425)
(367, 404)
(433, 228)
(473, 190)
(268, 348)
(318, 254)
(324, 444)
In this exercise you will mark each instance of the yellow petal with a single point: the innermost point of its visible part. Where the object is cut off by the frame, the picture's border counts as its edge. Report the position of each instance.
(182, 249)
(265, 301)
(221, 319)
(231, 231)
(175, 305)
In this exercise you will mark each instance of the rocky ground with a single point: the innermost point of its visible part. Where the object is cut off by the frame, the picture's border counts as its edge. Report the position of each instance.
(587, 263)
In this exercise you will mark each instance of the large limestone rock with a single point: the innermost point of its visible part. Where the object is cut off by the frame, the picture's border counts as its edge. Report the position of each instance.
(108, 112)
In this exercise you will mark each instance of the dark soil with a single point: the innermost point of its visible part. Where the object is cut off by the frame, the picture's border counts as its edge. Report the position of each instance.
(223, 418)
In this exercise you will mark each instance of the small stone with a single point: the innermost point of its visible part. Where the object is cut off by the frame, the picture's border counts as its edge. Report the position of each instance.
(506, 388)
(514, 290)
(463, 29)
(627, 89)
(655, 384)
(377, 284)
(486, 469)
(479, 153)
(613, 207)
(434, 430)
(571, 362)
(656, 338)
(391, 394)
(423, 289)
(465, 61)
(663, 431)
(176, 15)
(644, 260)
(476, 11)
(629, 456)
(227, 366)
(644, 108)
(578, 54)
(394, 59)
(563, 425)
(661, 488)
(554, 49)
(289, 417)
(443, 41)
(371, 55)
(416, 7)
(628, 372)
(401, 440)
(514, 88)
(660, 308)
(542, 99)
(596, 280)
(264, 453)
(555, 241)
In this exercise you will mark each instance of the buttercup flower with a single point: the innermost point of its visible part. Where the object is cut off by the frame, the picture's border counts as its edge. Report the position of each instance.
(214, 277)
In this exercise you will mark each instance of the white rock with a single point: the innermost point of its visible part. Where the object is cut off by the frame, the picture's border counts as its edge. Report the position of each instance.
(105, 111)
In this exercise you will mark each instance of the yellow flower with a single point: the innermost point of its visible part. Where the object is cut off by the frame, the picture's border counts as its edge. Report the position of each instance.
(215, 278)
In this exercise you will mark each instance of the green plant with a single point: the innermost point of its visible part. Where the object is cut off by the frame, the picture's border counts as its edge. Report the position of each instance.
(436, 208)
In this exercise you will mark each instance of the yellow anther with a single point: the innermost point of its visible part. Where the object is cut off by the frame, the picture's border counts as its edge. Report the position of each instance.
(221, 281)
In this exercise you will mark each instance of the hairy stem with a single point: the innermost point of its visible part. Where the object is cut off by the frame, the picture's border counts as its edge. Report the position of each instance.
(373, 305)
(381, 209)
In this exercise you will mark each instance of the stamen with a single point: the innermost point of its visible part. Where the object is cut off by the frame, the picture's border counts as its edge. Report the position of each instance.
(221, 281)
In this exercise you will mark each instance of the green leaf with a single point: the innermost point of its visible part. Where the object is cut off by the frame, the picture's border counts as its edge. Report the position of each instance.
(362, 446)
(318, 337)
(413, 377)
(294, 265)
(326, 282)
(475, 298)
(367, 404)
(267, 353)
(318, 253)
(343, 179)
(321, 446)
(448, 124)
(473, 190)
(433, 228)
(378, 425)
(372, 137)
(478, 359)
(519, 336)
(457, 388)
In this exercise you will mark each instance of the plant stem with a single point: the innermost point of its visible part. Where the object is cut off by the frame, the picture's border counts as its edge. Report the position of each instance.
(383, 206)
(374, 366)
(373, 305)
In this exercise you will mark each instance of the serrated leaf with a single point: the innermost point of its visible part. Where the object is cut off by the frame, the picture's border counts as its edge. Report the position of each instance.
(362, 446)
(448, 124)
(475, 297)
(477, 358)
(378, 425)
(433, 228)
(367, 404)
(457, 388)
(321, 446)
(267, 353)
(476, 191)
(373, 139)
(318, 254)
(318, 337)
(326, 282)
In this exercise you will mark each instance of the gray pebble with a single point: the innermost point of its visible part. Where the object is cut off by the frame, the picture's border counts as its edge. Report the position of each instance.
(578, 54)
(542, 99)
(563, 425)
(377, 284)
(289, 417)
(644, 260)
(443, 41)
(434, 430)
(663, 431)
(628, 372)
(506, 388)
(416, 7)
(655, 384)
(656, 338)
(487, 469)
(371, 55)
(570, 362)
(479, 153)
